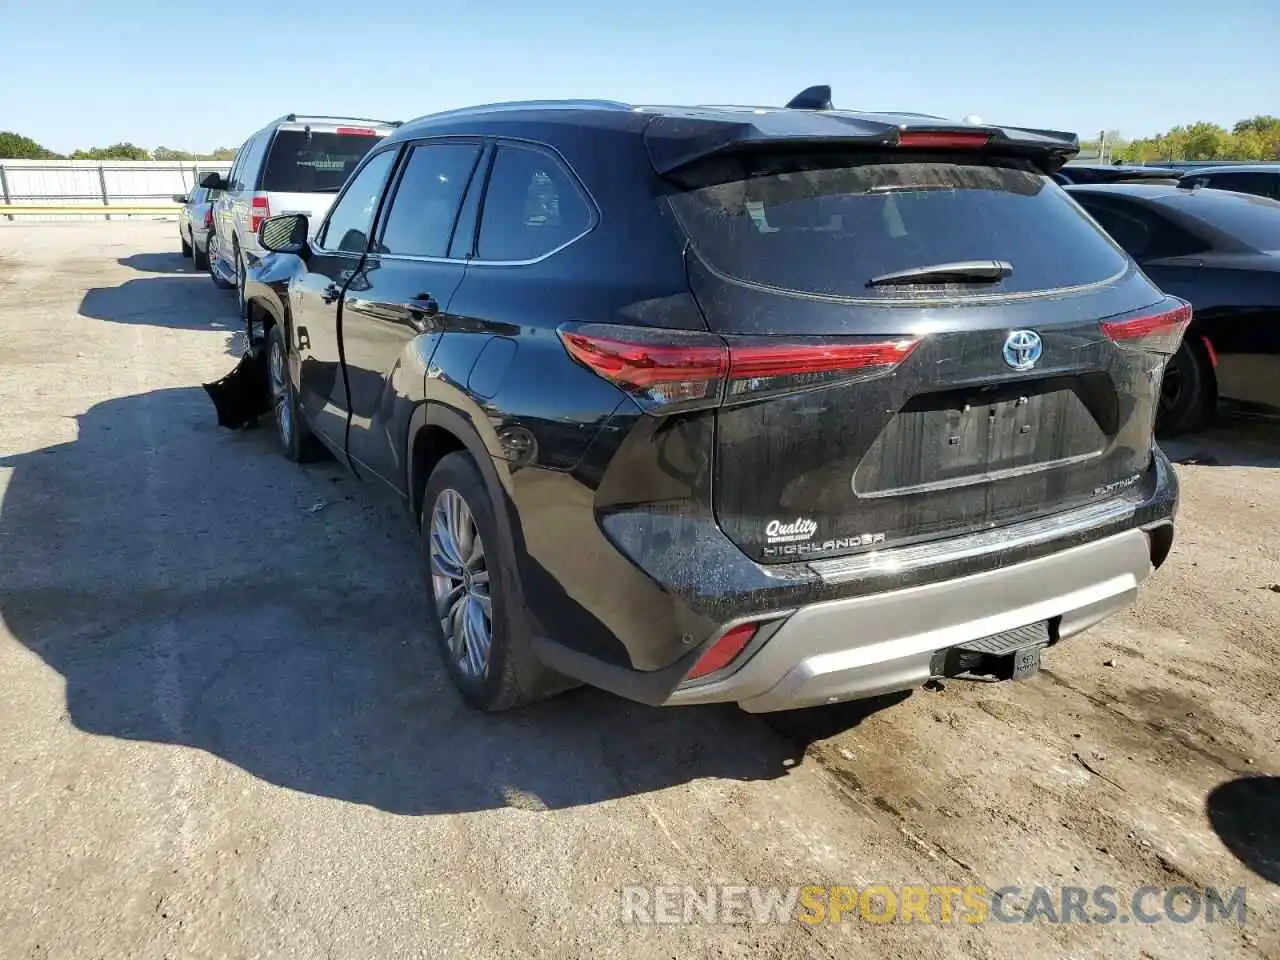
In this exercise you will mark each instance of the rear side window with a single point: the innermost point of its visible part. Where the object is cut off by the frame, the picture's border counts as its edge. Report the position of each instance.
(427, 199)
(827, 226)
(1128, 231)
(303, 161)
(531, 208)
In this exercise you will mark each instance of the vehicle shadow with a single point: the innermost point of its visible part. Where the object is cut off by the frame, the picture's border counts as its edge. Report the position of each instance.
(160, 263)
(1245, 814)
(193, 588)
(1238, 437)
(173, 302)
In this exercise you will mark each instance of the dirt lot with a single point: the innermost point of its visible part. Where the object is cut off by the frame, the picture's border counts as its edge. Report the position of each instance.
(219, 735)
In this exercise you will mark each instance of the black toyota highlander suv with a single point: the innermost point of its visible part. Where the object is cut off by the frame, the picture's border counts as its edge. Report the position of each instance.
(774, 406)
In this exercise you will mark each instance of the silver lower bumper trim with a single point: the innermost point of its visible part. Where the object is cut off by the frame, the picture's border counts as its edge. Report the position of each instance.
(868, 645)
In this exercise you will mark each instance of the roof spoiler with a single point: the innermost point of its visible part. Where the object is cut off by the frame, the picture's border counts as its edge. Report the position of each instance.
(678, 146)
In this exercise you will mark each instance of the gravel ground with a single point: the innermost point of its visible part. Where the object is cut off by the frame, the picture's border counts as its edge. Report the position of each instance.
(220, 737)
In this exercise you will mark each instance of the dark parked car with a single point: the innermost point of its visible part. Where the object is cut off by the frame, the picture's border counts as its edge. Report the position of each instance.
(1262, 179)
(195, 224)
(770, 406)
(1115, 173)
(1220, 251)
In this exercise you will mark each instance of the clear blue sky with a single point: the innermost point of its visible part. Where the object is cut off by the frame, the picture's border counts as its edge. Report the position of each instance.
(190, 76)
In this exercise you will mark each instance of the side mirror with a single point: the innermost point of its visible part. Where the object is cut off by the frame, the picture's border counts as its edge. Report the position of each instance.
(213, 181)
(286, 233)
(180, 198)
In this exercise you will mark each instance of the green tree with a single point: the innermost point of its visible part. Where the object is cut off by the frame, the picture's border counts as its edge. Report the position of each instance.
(14, 146)
(222, 153)
(117, 151)
(164, 153)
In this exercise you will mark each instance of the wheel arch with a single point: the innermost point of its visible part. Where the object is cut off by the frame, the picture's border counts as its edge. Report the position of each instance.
(435, 431)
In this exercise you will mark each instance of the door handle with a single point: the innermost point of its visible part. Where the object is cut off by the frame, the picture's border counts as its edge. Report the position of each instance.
(421, 309)
(424, 303)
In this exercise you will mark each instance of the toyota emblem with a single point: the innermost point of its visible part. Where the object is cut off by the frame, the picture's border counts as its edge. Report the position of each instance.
(1022, 349)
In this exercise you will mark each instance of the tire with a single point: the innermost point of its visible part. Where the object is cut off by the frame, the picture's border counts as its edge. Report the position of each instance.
(297, 442)
(211, 259)
(1189, 390)
(201, 257)
(240, 278)
(509, 675)
(186, 246)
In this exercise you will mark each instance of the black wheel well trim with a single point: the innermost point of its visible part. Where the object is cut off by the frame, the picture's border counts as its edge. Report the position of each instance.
(455, 424)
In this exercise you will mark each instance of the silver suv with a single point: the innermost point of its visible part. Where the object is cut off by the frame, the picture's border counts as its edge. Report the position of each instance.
(296, 164)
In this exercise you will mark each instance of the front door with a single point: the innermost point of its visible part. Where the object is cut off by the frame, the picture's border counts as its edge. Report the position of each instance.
(397, 305)
(337, 251)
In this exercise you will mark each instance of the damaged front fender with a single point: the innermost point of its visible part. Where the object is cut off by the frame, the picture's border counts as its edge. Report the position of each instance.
(244, 394)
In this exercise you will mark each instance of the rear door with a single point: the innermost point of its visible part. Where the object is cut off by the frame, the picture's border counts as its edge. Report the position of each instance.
(338, 248)
(866, 409)
(399, 300)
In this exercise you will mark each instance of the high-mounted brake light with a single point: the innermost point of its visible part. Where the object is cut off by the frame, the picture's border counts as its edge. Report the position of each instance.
(358, 131)
(939, 140)
(259, 210)
(1157, 332)
(665, 367)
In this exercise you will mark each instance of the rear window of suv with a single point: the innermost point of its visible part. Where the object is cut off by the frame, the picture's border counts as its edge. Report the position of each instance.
(825, 227)
(302, 162)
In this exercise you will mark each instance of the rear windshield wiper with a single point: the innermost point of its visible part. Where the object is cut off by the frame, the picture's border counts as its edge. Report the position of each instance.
(960, 271)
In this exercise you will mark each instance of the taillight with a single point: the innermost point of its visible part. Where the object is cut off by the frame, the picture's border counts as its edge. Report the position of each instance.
(939, 140)
(1157, 332)
(662, 368)
(208, 218)
(724, 651)
(259, 210)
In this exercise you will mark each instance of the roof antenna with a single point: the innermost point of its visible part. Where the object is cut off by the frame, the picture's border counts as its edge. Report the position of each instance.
(812, 98)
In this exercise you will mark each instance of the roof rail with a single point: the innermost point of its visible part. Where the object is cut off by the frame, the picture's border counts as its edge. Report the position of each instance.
(530, 105)
(295, 117)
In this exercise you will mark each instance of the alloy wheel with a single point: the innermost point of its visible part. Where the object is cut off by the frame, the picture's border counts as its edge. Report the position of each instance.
(460, 584)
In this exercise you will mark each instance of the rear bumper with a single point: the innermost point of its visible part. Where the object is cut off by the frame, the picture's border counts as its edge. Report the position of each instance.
(841, 628)
(869, 645)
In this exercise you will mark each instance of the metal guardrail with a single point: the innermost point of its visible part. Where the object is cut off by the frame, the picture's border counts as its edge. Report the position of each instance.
(93, 188)
(87, 209)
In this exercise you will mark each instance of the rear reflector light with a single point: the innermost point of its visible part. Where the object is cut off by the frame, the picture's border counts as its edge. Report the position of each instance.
(1213, 354)
(664, 367)
(724, 651)
(358, 131)
(938, 140)
(1158, 332)
(259, 210)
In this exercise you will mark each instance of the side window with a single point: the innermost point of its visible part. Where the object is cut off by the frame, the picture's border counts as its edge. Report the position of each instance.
(1130, 232)
(234, 172)
(1227, 181)
(532, 207)
(351, 219)
(425, 207)
(248, 179)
